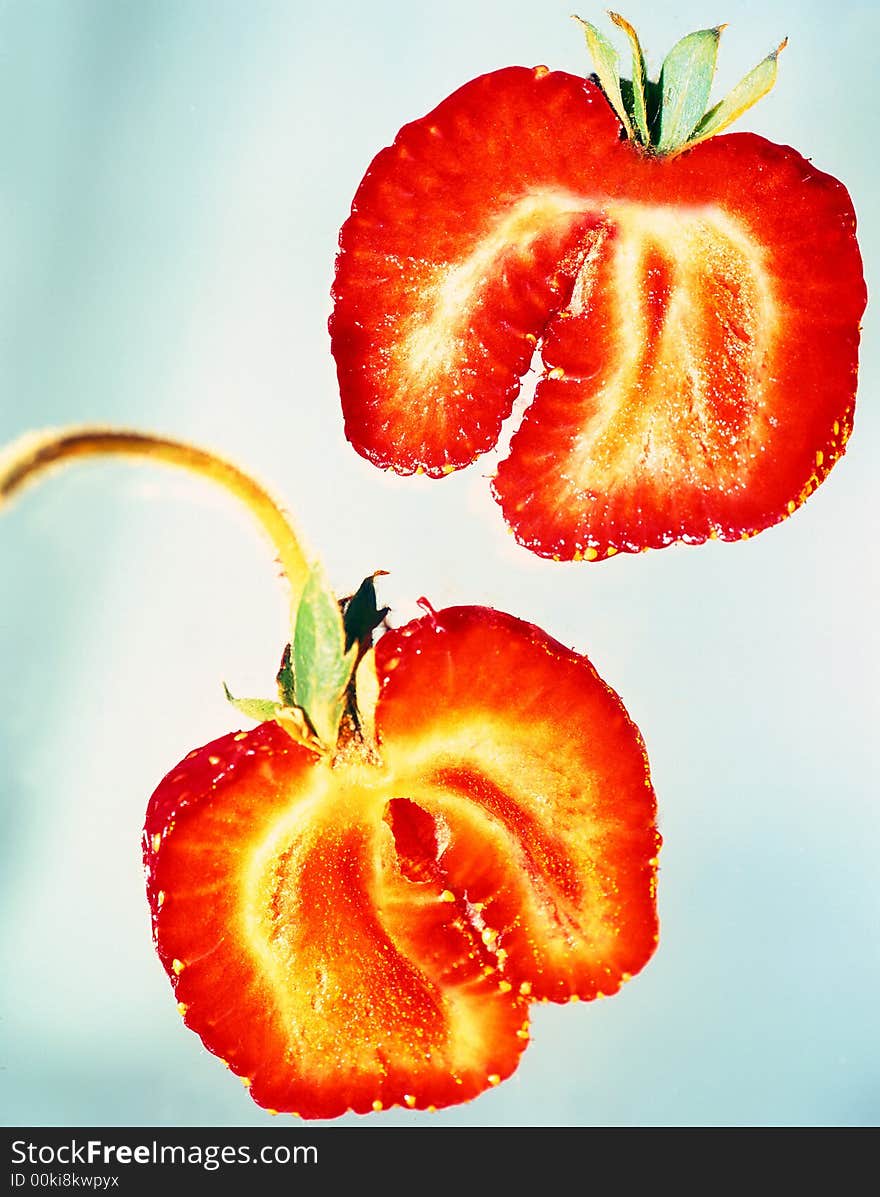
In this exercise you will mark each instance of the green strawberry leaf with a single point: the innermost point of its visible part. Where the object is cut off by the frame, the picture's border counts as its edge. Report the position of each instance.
(285, 679)
(317, 666)
(361, 614)
(260, 709)
(321, 665)
(685, 83)
(291, 718)
(747, 92)
(653, 99)
(367, 687)
(607, 63)
(669, 115)
(637, 103)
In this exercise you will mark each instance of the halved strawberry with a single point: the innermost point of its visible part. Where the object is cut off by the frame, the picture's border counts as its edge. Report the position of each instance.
(370, 934)
(696, 304)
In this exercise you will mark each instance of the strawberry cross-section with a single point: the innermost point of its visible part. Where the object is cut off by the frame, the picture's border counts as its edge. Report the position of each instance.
(372, 934)
(697, 315)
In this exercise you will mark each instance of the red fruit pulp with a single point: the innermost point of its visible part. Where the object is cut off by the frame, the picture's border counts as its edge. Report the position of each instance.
(367, 934)
(697, 317)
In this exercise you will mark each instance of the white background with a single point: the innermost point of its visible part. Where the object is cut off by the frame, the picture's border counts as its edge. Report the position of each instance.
(173, 180)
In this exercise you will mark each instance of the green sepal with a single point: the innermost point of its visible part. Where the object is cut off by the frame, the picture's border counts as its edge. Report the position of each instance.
(361, 614)
(291, 718)
(321, 665)
(685, 83)
(747, 92)
(653, 102)
(284, 678)
(670, 115)
(636, 99)
(316, 668)
(607, 63)
(259, 709)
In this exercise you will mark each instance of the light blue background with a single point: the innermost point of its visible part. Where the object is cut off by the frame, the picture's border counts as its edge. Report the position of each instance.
(172, 180)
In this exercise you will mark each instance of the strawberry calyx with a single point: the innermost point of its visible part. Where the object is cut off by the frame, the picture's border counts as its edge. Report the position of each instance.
(671, 114)
(320, 703)
(325, 692)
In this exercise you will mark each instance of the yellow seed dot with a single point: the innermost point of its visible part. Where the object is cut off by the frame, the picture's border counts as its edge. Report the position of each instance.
(526, 988)
(182, 1008)
(522, 1033)
(419, 470)
(820, 457)
(591, 554)
(213, 760)
(791, 506)
(240, 736)
(556, 372)
(178, 966)
(610, 551)
(578, 555)
(449, 469)
(489, 936)
(493, 1078)
(447, 896)
(274, 1113)
(836, 428)
(432, 1109)
(504, 987)
(160, 898)
(501, 956)
(541, 71)
(377, 1105)
(409, 1099)
(574, 998)
(157, 840)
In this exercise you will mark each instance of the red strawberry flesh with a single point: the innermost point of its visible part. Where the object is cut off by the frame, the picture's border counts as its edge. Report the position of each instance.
(698, 317)
(367, 935)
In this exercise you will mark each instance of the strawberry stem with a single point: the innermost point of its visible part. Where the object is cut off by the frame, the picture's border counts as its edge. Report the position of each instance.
(325, 649)
(32, 456)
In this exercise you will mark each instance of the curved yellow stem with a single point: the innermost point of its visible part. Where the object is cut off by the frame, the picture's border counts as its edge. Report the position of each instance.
(27, 459)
